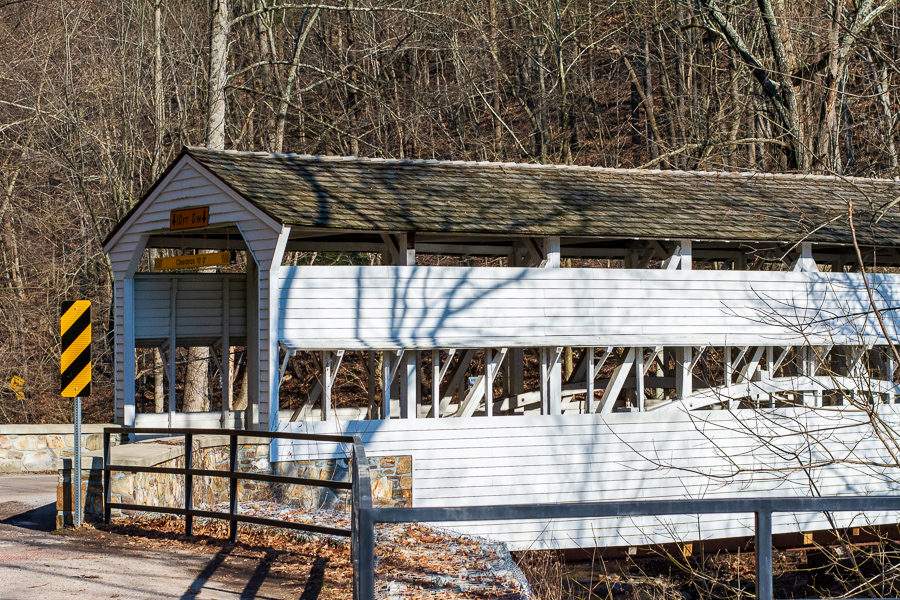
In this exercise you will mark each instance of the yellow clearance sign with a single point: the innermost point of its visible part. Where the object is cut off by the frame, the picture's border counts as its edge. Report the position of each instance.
(75, 362)
(189, 261)
(189, 218)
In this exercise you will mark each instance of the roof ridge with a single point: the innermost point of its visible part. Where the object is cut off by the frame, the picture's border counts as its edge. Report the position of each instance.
(549, 167)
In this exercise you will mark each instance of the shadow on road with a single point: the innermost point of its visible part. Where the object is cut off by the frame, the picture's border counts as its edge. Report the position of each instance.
(40, 518)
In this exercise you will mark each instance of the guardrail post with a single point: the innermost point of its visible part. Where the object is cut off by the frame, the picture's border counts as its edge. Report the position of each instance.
(188, 484)
(764, 590)
(364, 565)
(107, 492)
(366, 553)
(233, 487)
(354, 521)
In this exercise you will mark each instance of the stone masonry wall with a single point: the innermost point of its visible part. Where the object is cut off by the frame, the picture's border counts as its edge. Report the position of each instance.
(391, 479)
(28, 448)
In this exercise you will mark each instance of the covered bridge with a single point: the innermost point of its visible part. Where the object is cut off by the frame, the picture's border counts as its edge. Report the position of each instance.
(686, 296)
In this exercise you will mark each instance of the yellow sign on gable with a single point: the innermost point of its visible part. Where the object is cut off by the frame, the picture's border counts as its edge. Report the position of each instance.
(189, 218)
(191, 261)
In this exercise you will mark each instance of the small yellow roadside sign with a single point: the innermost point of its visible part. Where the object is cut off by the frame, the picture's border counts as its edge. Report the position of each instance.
(189, 218)
(190, 261)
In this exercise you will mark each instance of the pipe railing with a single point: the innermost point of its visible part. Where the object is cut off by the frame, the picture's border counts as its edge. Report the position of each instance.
(366, 517)
(188, 511)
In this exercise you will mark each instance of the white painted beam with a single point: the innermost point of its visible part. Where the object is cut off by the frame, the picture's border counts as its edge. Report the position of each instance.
(551, 380)
(617, 381)
(551, 252)
(684, 363)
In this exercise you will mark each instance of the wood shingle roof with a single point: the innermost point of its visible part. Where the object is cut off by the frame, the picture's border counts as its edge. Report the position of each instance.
(494, 198)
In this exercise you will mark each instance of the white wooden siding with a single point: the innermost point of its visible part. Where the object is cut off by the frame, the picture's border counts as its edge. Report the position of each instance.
(581, 458)
(427, 307)
(198, 310)
(187, 185)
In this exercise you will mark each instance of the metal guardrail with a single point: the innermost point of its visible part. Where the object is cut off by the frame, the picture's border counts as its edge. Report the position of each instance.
(189, 512)
(366, 516)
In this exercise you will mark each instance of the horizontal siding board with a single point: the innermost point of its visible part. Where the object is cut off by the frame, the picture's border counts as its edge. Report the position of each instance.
(431, 306)
(572, 458)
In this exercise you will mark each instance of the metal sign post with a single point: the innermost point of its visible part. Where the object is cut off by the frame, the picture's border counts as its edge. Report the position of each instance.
(75, 378)
(76, 484)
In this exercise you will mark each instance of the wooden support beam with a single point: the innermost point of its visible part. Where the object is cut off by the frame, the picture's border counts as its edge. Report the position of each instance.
(408, 385)
(684, 363)
(516, 367)
(805, 262)
(551, 380)
(680, 257)
(617, 381)
(331, 362)
(488, 383)
(589, 382)
(225, 366)
(578, 372)
(436, 376)
(284, 364)
(780, 360)
(697, 357)
(388, 370)
(303, 411)
(393, 248)
(483, 388)
(456, 378)
(602, 360)
(371, 387)
(657, 350)
(639, 379)
(551, 252)
(749, 368)
(650, 253)
(173, 317)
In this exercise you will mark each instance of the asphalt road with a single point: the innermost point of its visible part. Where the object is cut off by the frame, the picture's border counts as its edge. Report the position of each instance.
(36, 563)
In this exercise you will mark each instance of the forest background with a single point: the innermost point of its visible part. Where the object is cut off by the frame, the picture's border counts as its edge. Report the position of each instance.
(98, 96)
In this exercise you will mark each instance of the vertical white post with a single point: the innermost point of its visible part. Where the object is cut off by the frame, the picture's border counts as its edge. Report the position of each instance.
(811, 367)
(327, 384)
(488, 383)
(226, 354)
(685, 254)
(551, 381)
(516, 376)
(729, 375)
(387, 358)
(551, 252)
(589, 383)
(806, 398)
(371, 390)
(173, 300)
(410, 249)
(639, 378)
(128, 407)
(408, 386)
(683, 377)
(251, 413)
(545, 382)
(436, 384)
(889, 376)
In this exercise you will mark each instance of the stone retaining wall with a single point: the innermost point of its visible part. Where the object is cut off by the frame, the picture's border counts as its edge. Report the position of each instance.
(26, 448)
(391, 478)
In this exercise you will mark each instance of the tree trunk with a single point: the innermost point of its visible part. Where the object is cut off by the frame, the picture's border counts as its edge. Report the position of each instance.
(159, 384)
(218, 75)
(299, 42)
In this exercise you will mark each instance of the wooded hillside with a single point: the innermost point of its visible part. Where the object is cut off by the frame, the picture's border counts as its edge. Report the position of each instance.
(97, 97)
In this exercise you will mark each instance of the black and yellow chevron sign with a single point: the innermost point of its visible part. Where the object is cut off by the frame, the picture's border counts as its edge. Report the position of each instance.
(75, 331)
